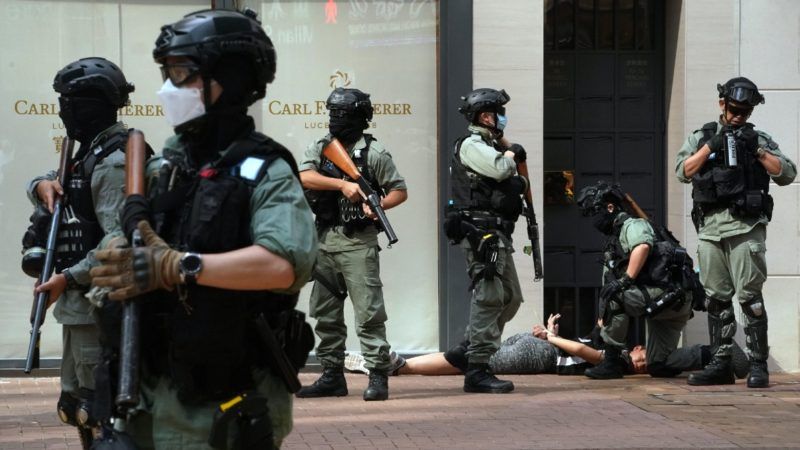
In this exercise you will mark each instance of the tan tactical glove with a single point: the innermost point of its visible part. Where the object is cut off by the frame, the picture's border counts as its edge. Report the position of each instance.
(135, 271)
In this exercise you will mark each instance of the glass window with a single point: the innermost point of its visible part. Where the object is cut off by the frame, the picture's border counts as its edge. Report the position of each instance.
(584, 32)
(549, 24)
(624, 26)
(565, 25)
(605, 24)
(644, 32)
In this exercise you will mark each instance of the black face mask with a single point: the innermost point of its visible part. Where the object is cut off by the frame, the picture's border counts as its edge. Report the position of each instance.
(85, 117)
(605, 222)
(347, 129)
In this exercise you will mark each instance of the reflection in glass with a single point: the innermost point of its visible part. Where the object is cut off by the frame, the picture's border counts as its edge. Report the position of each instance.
(644, 36)
(605, 24)
(565, 25)
(625, 32)
(559, 188)
(584, 31)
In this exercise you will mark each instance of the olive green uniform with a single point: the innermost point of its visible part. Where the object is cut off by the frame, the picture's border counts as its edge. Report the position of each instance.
(81, 347)
(356, 258)
(664, 329)
(731, 251)
(281, 222)
(494, 302)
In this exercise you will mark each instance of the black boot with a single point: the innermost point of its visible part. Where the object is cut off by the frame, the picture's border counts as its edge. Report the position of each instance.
(479, 379)
(378, 387)
(612, 366)
(330, 384)
(718, 371)
(759, 376)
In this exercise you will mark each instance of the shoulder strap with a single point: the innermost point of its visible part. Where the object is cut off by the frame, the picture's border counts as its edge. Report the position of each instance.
(92, 158)
(709, 130)
(260, 145)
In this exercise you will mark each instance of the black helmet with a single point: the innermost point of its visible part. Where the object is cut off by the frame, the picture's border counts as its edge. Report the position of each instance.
(208, 35)
(483, 99)
(740, 90)
(593, 199)
(351, 101)
(94, 74)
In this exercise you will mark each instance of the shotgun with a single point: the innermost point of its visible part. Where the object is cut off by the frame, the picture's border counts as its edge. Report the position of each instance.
(40, 301)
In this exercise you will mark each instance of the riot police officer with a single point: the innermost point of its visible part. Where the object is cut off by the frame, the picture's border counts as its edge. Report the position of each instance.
(91, 91)
(730, 164)
(484, 206)
(349, 245)
(235, 244)
(646, 274)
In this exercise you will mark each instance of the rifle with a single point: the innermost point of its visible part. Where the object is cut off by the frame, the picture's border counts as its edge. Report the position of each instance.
(128, 393)
(533, 226)
(337, 154)
(40, 301)
(635, 207)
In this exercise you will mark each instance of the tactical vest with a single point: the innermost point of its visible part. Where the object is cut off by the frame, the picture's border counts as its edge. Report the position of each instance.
(203, 335)
(80, 230)
(332, 208)
(743, 189)
(473, 194)
(668, 265)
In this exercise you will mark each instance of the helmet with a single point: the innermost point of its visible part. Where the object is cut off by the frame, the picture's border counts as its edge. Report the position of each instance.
(593, 199)
(741, 90)
(208, 35)
(351, 101)
(94, 74)
(483, 99)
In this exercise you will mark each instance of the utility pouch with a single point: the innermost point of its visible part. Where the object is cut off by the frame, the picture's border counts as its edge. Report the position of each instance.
(673, 298)
(703, 190)
(753, 203)
(728, 181)
(249, 412)
(219, 213)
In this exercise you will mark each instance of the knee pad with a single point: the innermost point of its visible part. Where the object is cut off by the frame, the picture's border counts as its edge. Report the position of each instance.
(67, 408)
(754, 308)
(457, 356)
(716, 306)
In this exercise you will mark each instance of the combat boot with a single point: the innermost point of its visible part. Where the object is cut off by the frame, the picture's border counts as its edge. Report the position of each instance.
(718, 371)
(331, 384)
(612, 366)
(759, 376)
(479, 379)
(378, 387)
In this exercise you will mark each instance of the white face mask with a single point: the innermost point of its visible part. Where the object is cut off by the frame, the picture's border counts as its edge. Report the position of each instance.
(181, 104)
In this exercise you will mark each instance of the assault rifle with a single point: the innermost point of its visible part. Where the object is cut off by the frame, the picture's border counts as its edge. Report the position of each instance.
(533, 226)
(337, 154)
(40, 300)
(128, 392)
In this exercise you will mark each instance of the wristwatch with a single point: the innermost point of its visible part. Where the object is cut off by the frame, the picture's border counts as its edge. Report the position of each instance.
(190, 266)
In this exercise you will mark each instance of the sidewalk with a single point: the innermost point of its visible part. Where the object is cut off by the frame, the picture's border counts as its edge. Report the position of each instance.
(545, 411)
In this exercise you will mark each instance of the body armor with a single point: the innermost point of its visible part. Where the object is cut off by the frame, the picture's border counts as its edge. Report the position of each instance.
(743, 188)
(80, 231)
(483, 201)
(203, 333)
(332, 208)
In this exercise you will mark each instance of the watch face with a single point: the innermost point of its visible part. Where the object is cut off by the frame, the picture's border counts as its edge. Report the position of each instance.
(191, 263)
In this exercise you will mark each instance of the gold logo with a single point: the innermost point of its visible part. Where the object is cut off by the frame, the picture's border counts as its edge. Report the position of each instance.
(339, 79)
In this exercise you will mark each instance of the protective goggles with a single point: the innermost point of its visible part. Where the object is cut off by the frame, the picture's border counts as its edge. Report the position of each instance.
(179, 74)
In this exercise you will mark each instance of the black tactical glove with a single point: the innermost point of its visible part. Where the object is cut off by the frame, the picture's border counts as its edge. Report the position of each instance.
(519, 153)
(748, 136)
(716, 143)
(612, 288)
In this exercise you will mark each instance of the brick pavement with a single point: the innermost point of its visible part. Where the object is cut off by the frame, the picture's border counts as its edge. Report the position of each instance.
(545, 411)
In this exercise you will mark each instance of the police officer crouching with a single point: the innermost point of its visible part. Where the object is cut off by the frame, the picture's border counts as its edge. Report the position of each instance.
(484, 206)
(646, 274)
(730, 165)
(349, 249)
(92, 90)
(235, 244)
